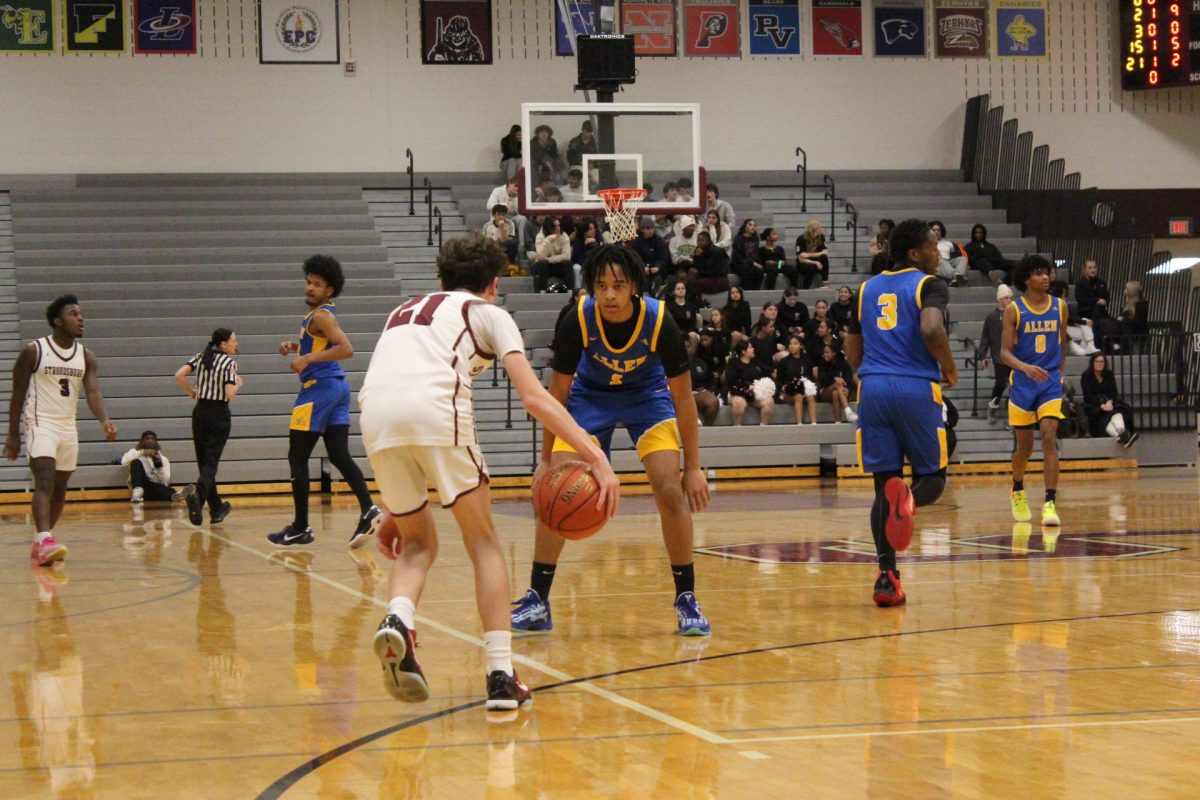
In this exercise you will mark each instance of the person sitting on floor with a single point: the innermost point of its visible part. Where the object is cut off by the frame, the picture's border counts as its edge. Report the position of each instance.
(150, 472)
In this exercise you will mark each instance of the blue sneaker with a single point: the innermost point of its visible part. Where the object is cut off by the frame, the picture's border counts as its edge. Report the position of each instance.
(691, 619)
(531, 613)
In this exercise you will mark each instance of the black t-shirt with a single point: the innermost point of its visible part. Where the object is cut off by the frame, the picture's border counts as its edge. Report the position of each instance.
(792, 316)
(685, 314)
(568, 342)
(935, 293)
(739, 375)
(702, 374)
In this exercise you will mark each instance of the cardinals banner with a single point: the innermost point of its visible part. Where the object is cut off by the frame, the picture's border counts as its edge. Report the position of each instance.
(837, 27)
(775, 27)
(456, 32)
(710, 28)
(960, 28)
(1021, 28)
(900, 28)
(651, 23)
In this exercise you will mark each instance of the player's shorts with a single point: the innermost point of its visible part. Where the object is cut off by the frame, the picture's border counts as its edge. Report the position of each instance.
(649, 416)
(322, 402)
(60, 444)
(402, 474)
(1029, 402)
(899, 417)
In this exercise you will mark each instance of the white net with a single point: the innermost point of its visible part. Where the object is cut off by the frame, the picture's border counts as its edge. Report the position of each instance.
(620, 210)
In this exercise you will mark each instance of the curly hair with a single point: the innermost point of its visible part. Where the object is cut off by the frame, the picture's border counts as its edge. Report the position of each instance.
(470, 262)
(1028, 266)
(55, 309)
(617, 256)
(328, 269)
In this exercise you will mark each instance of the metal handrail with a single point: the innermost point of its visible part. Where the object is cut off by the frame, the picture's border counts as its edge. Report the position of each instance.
(428, 210)
(437, 212)
(802, 168)
(972, 362)
(852, 226)
(412, 210)
(831, 196)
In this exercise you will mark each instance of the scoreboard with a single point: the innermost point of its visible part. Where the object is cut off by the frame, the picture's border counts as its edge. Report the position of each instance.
(1160, 43)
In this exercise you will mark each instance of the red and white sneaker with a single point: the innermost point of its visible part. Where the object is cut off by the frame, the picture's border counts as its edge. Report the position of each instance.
(47, 551)
(900, 511)
(506, 692)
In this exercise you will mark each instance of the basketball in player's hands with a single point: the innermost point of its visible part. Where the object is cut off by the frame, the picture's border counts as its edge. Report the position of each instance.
(387, 535)
(565, 500)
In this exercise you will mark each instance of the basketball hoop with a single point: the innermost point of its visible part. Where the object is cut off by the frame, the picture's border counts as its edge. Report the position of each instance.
(620, 210)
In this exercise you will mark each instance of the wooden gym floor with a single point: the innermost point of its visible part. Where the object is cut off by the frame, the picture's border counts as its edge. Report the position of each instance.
(166, 661)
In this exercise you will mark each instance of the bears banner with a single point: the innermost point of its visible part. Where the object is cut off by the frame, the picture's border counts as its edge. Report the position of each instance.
(93, 27)
(651, 23)
(26, 26)
(1021, 29)
(164, 26)
(291, 32)
(775, 27)
(456, 31)
(837, 27)
(960, 28)
(710, 28)
(585, 20)
(900, 28)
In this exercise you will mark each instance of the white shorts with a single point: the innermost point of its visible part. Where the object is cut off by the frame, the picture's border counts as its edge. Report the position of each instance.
(402, 473)
(61, 445)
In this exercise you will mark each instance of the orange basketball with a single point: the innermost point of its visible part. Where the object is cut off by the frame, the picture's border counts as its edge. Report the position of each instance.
(564, 499)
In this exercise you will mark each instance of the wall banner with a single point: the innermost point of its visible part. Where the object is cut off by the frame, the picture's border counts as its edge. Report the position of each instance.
(456, 31)
(303, 32)
(1021, 28)
(651, 23)
(960, 28)
(775, 27)
(94, 27)
(900, 28)
(837, 27)
(26, 26)
(710, 28)
(164, 26)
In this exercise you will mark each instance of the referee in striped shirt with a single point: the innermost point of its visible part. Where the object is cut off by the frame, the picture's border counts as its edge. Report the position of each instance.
(217, 383)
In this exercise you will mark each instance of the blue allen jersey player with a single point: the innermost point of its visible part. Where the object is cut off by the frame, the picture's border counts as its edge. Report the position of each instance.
(1033, 343)
(899, 346)
(620, 360)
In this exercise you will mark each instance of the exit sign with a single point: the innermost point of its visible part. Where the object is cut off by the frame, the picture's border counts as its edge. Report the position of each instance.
(1179, 226)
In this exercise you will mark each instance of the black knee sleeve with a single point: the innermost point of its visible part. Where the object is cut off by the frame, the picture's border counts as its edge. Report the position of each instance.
(927, 489)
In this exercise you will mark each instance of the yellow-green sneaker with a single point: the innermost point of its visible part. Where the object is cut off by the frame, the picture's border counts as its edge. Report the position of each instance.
(1049, 513)
(1020, 506)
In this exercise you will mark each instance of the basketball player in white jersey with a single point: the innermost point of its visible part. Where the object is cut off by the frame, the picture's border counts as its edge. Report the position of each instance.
(418, 425)
(46, 381)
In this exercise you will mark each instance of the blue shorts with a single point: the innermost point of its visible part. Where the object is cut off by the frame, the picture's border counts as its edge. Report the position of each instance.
(1029, 402)
(321, 403)
(899, 417)
(648, 415)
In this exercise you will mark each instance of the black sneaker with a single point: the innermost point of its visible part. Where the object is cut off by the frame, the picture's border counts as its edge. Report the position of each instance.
(506, 692)
(218, 516)
(402, 677)
(367, 524)
(291, 536)
(1131, 438)
(195, 505)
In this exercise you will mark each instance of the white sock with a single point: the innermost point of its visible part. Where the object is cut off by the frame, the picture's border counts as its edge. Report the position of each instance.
(498, 646)
(403, 608)
(41, 536)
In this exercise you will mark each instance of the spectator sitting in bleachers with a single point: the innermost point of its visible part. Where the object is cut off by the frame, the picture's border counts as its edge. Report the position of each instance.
(770, 344)
(1135, 314)
(737, 312)
(506, 195)
(1107, 414)
(544, 156)
(794, 377)
(741, 372)
(880, 246)
(572, 192)
(1107, 330)
(654, 254)
(703, 382)
(722, 234)
(510, 153)
(685, 189)
(150, 472)
(501, 230)
(664, 224)
(820, 336)
(812, 255)
(709, 273)
(744, 256)
(1090, 290)
(682, 310)
(774, 260)
(714, 347)
(587, 239)
(1058, 287)
(583, 143)
(683, 243)
(820, 313)
(985, 257)
(843, 309)
(793, 314)
(834, 379)
(988, 350)
(713, 202)
(954, 264)
(553, 258)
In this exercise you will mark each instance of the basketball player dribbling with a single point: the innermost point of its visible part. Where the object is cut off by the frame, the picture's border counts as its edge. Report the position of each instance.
(418, 424)
(46, 381)
(898, 344)
(621, 360)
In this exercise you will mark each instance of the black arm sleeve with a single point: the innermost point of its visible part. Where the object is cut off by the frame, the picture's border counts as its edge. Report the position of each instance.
(568, 345)
(935, 293)
(671, 349)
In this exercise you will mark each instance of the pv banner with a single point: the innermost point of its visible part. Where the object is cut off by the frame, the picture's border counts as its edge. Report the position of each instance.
(960, 28)
(837, 27)
(26, 26)
(456, 31)
(775, 27)
(164, 26)
(585, 21)
(298, 32)
(651, 23)
(1021, 28)
(710, 28)
(93, 27)
(900, 28)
